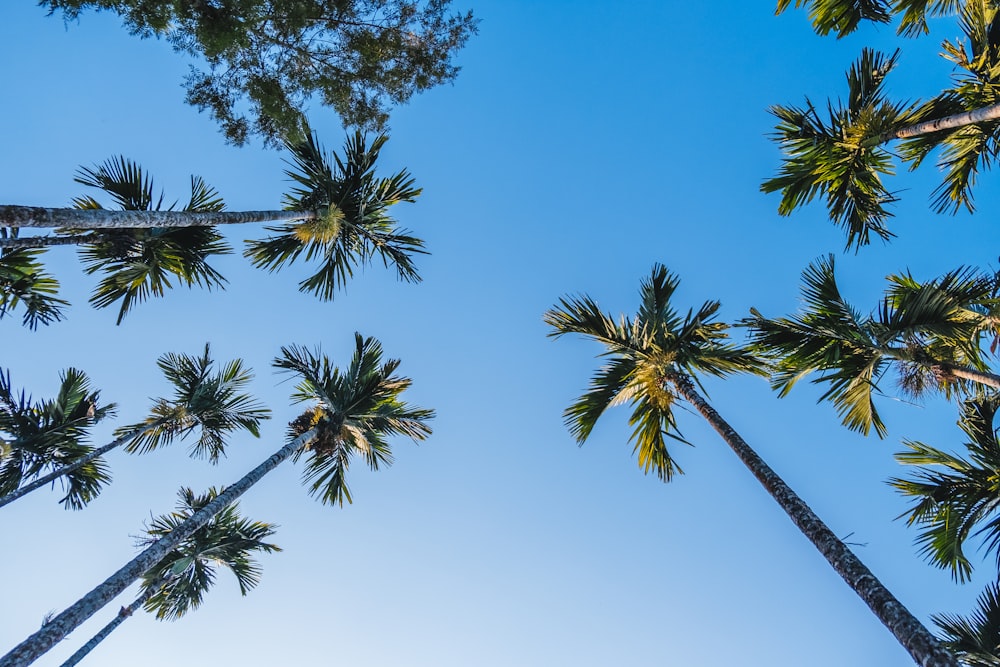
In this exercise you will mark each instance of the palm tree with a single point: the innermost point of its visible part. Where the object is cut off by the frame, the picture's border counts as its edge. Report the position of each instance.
(844, 156)
(177, 584)
(36, 436)
(204, 400)
(956, 497)
(655, 358)
(339, 209)
(929, 333)
(975, 639)
(353, 412)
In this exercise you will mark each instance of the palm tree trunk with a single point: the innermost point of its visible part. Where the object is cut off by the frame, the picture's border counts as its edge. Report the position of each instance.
(25, 242)
(52, 632)
(75, 465)
(119, 618)
(922, 646)
(982, 115)
(34, 216)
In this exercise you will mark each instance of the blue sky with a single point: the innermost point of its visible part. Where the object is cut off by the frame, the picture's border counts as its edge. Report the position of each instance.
(581, 143)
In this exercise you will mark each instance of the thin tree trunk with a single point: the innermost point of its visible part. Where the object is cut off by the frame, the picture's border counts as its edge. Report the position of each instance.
(23, 242)
(981, 115)
(52, 632)
(76, 465)
(922, 646)
(34, 216)
(119, 618)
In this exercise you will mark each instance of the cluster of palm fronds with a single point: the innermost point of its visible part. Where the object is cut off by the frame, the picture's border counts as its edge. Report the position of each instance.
(654, 361)
(352, 412)
(844, 156)
(343, 222)
(937, 335)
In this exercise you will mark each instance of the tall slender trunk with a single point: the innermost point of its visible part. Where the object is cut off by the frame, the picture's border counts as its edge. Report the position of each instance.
(980, 115)
(28, 242)
(73, 218)
(922, 646)
(119, 618)
(52, 632)
(76, 465)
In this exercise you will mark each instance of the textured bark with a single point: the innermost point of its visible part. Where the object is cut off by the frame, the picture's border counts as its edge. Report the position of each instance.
(119, 618)
(76, 465)
(52, 632)
(34, 216)
(960, 372)
(922, 646)
(23, 242)
(949, 122)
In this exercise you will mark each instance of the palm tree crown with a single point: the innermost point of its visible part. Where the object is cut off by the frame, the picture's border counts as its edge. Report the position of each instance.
(845, 156)
(353, 227)
(644, 352)
(205, 399)
(354, 411)
(139, 263)
(928, 332)
(37, 436)
(178, 582)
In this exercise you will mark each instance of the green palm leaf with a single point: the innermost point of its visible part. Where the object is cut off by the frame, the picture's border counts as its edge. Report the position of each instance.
(975, 639)
(24, 282)
(354, 227)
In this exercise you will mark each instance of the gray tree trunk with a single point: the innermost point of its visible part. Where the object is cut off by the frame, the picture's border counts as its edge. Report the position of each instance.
(52, 632)
(25, 242)
(950, 122)
(922, 646)
(76, 465)
(119, 618)
(73, 218)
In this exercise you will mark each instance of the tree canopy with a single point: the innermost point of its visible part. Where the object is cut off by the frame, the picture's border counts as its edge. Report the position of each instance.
(262, 61)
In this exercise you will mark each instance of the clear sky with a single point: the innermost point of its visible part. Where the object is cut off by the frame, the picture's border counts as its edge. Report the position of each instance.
(582, 142)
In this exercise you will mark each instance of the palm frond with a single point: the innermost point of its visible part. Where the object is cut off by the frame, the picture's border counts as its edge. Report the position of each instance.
(830, 338)
(966, 150)
(975, 639)
(841, 16)
(25, 283)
